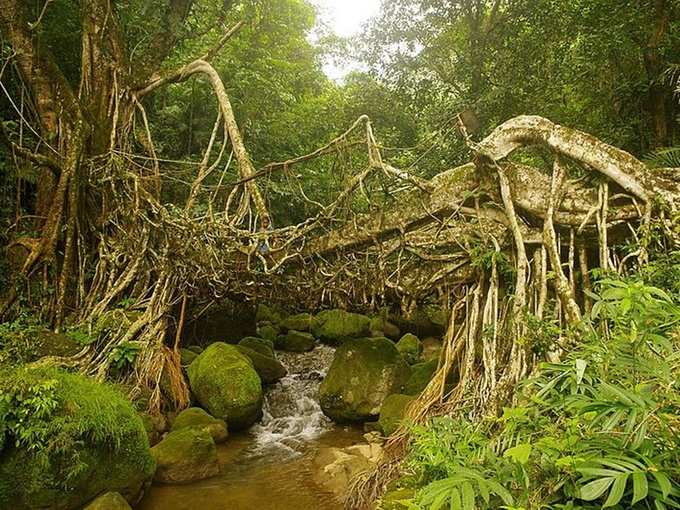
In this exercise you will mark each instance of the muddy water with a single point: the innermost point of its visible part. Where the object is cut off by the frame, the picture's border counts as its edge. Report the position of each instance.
(270, 467)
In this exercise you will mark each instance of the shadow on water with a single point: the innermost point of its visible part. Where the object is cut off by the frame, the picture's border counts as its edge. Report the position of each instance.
(271, 467)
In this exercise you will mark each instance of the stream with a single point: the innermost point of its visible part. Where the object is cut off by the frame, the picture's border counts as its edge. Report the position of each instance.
(270, 467)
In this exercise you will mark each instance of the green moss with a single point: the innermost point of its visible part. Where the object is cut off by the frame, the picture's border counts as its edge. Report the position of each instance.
(299, 322)
(295, 341)
(392, 412)
(421, 374)
(185, 455)
(187, 357)
(268, 314)
(409, 347)
(268, 368)
(363, 373)
(109, 501)
(336, 326)
(268, 332)
(195, 417)
(72, 438)
(226, 385)
(261, 345)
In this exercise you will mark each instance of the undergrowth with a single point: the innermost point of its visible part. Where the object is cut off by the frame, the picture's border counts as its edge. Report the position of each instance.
(600, 429)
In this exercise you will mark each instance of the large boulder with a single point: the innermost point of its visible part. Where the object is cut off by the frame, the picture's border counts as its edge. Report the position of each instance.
(69, 439)
(261, 345)
(363, 373)
(268, 368)
(421, 374)
(109, 501)
(335, 326)
(298, 322)
(295, 341)
(392, 412)
(225, 383)
(185, 455)
(380, 326)
(197, 418)
(409, 347)
(268, 314)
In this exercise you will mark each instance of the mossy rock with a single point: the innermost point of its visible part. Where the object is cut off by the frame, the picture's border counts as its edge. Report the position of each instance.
(268, 332)
(98, 441)
(150, 426)
(421, 375)
(109, 501)
(225, 383)
(363, 373)
(185, 455)
(379, 326)
(195, 417)
(298, 322)
(187, 357)
(392, 412)
(261, 345)
(195, 348)
(409, 347)
(295, 341)
(336, 326)
(432, 348)
(268, 368)
(48, 343)
(268, 314)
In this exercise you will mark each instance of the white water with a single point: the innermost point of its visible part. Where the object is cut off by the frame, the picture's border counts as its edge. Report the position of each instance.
(291, 412)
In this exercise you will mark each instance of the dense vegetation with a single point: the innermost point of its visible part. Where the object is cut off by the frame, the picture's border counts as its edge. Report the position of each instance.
(136, 195)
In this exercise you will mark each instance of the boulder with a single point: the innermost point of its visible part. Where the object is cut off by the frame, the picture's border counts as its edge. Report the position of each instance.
(185, 455)
(268, 314)
(380, 326)
(363, 373)
(197, 418)
(335, 326)
(93, 441)
(409, 347)
(187, 357)
(392, 412)
(109, 501)
(261, 345)
(268, 368)
(421, 374)
(295, 341)
(225, 383)
(268, 332)
(432, 347)
(335, 469)
(298, 322)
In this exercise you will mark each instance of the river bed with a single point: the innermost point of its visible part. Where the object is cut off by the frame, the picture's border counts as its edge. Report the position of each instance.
(271, 466)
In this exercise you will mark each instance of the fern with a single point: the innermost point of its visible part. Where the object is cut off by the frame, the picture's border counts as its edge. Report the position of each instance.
(668, 157)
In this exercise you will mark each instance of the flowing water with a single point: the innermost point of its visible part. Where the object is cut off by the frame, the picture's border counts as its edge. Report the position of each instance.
(270, 467)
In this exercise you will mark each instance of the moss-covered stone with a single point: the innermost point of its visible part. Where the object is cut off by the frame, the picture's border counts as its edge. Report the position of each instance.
(269, 314)
(421, 374)
(261, 345)
(432, 348)
(409, 347)
(363, 373)
(268, 332)
(295, 341)
(392, 412)
(195, 348)
(195, 417)
(298, 322)
(380, 326)
(151, 431)
(225, 383)
(185, 455)
(268, 368)
(187, 357)
(109, 501)
(335, 326)
(90, 441)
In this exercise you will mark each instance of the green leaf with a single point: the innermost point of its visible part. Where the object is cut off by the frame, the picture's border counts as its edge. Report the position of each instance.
(468, 496)
(664, 483)
(455, 500)
(618, 488)
(593, 490)
(519, 453)
(640, 487)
